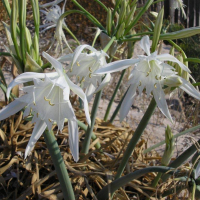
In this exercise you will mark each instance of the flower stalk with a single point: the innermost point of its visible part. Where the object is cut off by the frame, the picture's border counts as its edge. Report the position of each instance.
(59, 165)
(136, 136)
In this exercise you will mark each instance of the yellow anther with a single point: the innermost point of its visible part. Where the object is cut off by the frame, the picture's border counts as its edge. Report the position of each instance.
(90, 75)
(155, 85)
(78, 64)
(34, 103)
(30, 111)
(70, 69)
(51, 104)
(156, 77)
(78, 77)
(90, 69)
(147, 74)
(46, 99)
(82, 80)
(140, 83)
(150, 70)
(50, 120)
(37, 114)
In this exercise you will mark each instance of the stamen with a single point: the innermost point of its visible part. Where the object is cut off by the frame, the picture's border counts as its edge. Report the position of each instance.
(140, 83)
(147, 74)
(50, 120)
(156, 77)
(83, 79)
(78, 64)
(46, 99)
(37, 114)
(90, 69)
(155, 85)
(78, 77)
(71, 69)
(34, 103)
(51, 104)
(90, 75)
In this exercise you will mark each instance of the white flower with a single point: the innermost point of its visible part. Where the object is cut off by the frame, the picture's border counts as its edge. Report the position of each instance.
(82, 65)
(152, 73)
(178, 4)
(52, 16)
(48, 101)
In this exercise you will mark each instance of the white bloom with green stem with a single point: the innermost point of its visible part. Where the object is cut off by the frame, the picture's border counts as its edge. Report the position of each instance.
(152, 73)
(178, 4)
(52, 17)
(48, 101)
(82, 66)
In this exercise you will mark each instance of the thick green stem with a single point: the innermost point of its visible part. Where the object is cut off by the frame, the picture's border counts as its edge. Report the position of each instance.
(181, 159)
(68, 30)
(94, 137)
(113, 96)
(59, 165)
(4, 54)
(88, 134)
(175, 136)
(136, 136)
(120, 182)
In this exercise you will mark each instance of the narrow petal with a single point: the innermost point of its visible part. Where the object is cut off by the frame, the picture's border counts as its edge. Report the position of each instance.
(168, 57)
(105, 82)
(11, 109)
(116, 66)
(89, 92)
(79, 49)
(74, 139)
(77, 90)
(26, 77)
(56, 64)
(145, 44)
(38, 130)
(127, 102)
(190, 89)
(159, 96)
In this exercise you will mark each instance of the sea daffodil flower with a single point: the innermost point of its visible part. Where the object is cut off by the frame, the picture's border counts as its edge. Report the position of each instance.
(52, 16)
(178, 4)
(152, 73)
(48, 100)
(82, 65)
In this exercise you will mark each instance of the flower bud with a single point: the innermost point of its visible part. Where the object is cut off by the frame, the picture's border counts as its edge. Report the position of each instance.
(169, 149)
(109, 21)
(120, 31)
(173, 81)
(179, 70)
(122, 12)
(130, 15)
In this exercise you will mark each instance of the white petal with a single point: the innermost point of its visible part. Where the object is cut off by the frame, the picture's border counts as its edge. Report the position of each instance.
(89, 92)
(26, 77)
(159, 96)
(79, 49)
(116, 66)
(11, 109)
(56, 64)
(39, 128)
(145, 44)
(105, 82)
(168, 57)
(127, 102)
(189, 88)
(73, 139)
(66, 58)
(77, 90)
(49, 27)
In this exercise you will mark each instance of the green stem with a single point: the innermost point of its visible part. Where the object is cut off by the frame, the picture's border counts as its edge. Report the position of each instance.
(88, 134)
(120, 182)
(7, 6)
(68, 30)
(195, 60)
(59, 165)
(136, 136)
(175, 136)
(109, 44)
(113, 96)
(4, 54)
(117, 108)
(46, 65)
(94, 137)
(181, 159)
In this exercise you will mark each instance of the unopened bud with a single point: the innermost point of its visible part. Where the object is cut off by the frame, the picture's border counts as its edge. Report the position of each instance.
(122, 12)
(177, 67)
(173, 81)
(109, 21)
(154, 14)
(130, 15)
(169, 149)
(120, 31)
